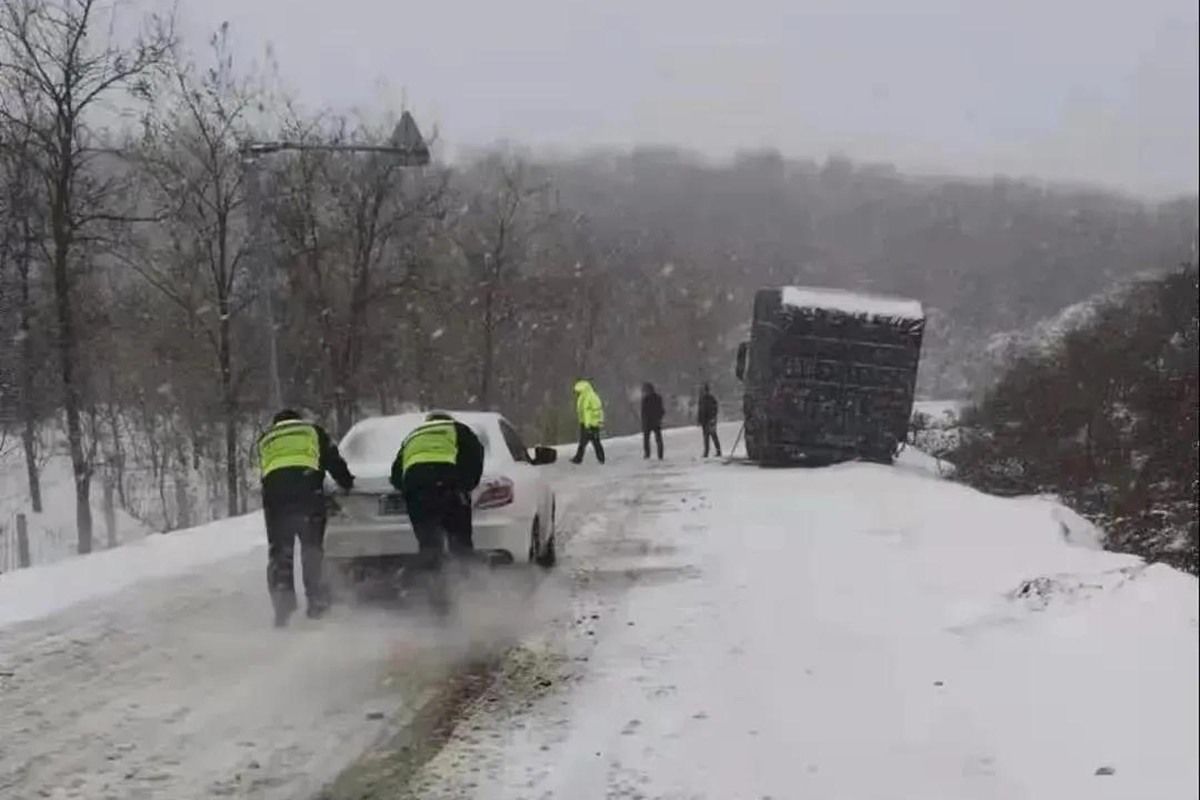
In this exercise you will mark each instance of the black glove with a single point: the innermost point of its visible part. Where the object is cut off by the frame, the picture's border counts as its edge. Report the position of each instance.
(348, 485)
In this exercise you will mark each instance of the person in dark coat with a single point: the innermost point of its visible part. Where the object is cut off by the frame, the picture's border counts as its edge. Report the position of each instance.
(652, 419)
(709, 411)
(294, 456)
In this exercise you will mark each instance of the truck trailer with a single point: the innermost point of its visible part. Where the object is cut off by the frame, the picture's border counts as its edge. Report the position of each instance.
(829, 375)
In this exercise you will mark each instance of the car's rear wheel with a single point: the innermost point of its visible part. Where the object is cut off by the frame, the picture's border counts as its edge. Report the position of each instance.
(535, 540)
(541, 554)
(549, 556)
(549, 551)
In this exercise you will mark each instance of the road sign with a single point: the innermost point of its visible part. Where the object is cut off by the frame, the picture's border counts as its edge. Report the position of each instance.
(408, 137)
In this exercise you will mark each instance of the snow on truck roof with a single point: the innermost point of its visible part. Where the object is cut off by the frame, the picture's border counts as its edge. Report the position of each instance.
(871, 305)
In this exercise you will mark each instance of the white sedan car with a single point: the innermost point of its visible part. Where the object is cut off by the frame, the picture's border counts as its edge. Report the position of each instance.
(514, 507)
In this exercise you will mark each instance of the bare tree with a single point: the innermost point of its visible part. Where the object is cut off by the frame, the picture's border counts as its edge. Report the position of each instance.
(22, 228)
(382, 211)
(197, 258)
(59, 50)
(348, 228)
(507, 208)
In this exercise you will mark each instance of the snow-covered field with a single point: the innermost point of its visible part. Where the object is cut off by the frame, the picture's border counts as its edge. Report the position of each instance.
(714, 631)
(52, 532)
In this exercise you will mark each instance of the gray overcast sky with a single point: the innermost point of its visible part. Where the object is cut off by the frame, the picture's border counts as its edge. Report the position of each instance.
(1094, 90)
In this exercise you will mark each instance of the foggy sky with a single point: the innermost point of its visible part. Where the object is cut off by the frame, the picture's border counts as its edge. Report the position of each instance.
(1102, 91)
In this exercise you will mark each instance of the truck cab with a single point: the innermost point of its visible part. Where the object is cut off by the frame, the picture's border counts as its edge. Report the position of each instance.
(829, 375)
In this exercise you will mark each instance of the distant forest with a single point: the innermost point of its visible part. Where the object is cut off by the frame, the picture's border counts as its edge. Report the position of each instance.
(985, 256)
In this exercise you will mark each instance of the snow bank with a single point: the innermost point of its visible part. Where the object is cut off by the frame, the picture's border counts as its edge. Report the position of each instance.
(917, 460)
(852, 302)
(43, 590)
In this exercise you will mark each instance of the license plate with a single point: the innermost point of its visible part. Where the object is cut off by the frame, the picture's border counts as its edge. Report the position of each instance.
(391, 505)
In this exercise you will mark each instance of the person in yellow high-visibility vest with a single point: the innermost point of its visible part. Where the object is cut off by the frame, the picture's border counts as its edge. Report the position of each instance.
(438, 466)
(294, 456)
(590, 411)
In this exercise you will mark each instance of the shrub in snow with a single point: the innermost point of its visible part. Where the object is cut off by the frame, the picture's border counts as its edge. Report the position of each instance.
(1106, 418)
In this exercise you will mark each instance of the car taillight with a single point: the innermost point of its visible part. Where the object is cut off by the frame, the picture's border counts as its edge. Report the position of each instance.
(496, 492)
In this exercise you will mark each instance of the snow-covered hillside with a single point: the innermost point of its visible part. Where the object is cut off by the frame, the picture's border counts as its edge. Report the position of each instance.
(1048, 332)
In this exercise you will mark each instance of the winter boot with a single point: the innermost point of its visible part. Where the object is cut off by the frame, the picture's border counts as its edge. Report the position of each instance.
(285, 606)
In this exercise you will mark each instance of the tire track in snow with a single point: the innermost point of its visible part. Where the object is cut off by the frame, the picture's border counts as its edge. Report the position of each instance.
(177, 687)
(598, 516)
(180, 688)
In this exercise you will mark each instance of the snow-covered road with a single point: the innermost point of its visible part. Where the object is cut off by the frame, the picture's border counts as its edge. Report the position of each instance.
(851, 632)
(151, 671)
(714, 631)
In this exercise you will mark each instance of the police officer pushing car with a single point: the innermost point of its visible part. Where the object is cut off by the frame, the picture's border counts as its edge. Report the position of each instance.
(438, 466)
(294, 456)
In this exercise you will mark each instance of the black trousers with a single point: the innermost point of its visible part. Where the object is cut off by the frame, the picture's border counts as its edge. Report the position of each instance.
(285, 525)
(591, 435)
(657, 433)
(440, 515)
(710, 435)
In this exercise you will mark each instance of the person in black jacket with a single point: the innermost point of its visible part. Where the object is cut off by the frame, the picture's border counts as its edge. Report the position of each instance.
(652, 418)
(294, 456)
(708, 420)
(438, 466)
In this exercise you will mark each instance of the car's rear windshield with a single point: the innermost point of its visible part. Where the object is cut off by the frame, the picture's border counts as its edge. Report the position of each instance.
(377, 441)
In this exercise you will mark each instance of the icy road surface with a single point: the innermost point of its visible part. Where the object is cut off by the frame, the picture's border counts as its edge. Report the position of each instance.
(714, 631)
(152, 671)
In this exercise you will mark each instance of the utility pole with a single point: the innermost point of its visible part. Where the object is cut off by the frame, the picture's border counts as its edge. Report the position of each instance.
(406, 145)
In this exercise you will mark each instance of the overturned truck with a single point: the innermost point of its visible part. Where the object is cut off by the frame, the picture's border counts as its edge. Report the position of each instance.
(829, 375)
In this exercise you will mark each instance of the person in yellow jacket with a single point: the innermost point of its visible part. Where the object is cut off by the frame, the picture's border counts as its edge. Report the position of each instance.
(438, 466)
(294, 455)
(590, 411)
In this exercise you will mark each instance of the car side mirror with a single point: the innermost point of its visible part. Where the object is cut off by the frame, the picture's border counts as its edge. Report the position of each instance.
(740, 368)
(543, 455)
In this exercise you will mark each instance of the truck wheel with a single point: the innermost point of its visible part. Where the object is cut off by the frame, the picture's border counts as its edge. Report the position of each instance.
(752, 449)
(769, 457)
